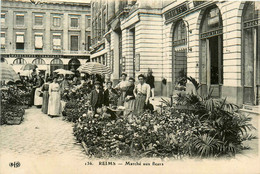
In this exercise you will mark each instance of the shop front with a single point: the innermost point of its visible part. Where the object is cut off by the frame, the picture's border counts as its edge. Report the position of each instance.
(251, 53)
(211, 52)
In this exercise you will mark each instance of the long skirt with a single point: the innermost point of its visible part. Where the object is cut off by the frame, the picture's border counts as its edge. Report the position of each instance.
(139, 104)
(37, 98)
(54, 106)
(121, 99)
(32, 96)
(129, 107)
(45, 100)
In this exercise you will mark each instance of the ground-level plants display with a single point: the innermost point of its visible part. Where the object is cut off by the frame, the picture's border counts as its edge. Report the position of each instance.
(192, 126)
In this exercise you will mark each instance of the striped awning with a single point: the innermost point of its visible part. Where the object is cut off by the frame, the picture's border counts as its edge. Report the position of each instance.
(94, 68)
(180, 47)
(7, 73)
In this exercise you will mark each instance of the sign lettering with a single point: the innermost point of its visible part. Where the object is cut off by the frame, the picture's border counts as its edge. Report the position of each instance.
(175, 11)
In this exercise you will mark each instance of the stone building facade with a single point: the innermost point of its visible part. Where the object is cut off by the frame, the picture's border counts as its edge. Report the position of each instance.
(215, 42)
(50, 35)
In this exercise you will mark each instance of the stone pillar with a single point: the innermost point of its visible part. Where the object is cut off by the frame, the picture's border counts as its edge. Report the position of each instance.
(65, 32)
(29, 36)
(47, 43)
(10, 32)
(82, 33)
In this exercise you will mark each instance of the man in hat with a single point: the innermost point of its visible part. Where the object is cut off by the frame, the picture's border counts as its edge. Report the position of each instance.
(150, 81)
(96, 97)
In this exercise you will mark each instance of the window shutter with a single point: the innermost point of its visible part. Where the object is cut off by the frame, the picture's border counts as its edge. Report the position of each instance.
(38, 41)
(20, 38)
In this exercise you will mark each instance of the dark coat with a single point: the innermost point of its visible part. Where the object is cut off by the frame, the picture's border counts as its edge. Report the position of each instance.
(150, 80)
(130, 92)
(96, 99)
(106, 96)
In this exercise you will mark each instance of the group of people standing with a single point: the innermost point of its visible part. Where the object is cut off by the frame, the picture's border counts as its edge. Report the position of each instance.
(133, 97)
(46, 93)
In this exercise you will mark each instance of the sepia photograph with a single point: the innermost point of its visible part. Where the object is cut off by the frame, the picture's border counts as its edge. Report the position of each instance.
(130, 86)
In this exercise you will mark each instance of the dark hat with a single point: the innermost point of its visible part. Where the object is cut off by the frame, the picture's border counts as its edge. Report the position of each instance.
(124, 74)
(97, 83)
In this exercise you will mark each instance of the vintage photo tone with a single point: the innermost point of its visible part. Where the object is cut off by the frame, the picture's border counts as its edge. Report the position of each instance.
(129, 86)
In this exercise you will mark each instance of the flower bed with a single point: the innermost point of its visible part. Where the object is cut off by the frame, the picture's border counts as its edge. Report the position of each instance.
(77, 104)
(194, 126)
(12, 106)
(11, 114)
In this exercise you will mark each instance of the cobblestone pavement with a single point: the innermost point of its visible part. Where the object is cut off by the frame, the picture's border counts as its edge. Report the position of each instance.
(40, 135)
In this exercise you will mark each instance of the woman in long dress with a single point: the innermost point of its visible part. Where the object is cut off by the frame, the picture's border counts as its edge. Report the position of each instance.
(37, 97)
(45, 96)
(142, 95)
(122, 86)
(130, 98)
(54, 106)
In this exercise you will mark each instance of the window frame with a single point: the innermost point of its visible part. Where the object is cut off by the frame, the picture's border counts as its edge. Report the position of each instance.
(73, 35)
(19, 34)
(74, 17)
(19, 14)
(37, 35)
(53, 36)
(38, 15)
(4, 45)
(53, 23)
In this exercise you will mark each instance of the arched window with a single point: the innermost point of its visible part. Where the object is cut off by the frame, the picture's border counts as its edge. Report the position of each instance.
(251, 53)
(19, 61)
(211, 51)
(56, 62)
(179, 61)
(179, 33)
(74, 64)
(38, 62)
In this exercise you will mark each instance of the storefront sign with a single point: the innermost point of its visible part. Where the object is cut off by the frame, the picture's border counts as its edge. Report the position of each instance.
(196, 3)
(44, 56)
(176, 11)
(211, 34)
(252, 23)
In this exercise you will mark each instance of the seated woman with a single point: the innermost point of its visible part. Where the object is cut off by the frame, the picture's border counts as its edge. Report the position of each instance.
(130, 97)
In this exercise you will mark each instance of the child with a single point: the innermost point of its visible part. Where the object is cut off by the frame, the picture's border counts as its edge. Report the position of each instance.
(96, 98)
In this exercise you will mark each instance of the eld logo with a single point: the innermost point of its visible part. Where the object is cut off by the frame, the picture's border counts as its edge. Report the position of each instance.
(15, 164)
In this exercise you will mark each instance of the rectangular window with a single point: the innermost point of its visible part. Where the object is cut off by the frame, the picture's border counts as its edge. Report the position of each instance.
(74, 22)
(20, 19)
(56, 42)
(38, 42)
(2, 18)
(74, 41)
(88, 21)
(56, 21)
(2, 41)
(38, 20)
(19, 41)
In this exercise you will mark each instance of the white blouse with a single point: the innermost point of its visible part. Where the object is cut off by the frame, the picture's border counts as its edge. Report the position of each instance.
(143, 89)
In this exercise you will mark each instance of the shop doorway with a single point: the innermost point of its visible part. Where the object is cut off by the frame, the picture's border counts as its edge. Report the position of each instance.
(251, 53)
(211, 53)
(179, 59)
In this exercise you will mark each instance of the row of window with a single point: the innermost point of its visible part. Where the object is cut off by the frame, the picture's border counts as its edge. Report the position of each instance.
(38, 41)
(38, 20)
(21, 61)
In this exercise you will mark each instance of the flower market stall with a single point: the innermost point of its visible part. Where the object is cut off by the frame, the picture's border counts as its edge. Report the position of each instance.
(13, 99)
(193, 126)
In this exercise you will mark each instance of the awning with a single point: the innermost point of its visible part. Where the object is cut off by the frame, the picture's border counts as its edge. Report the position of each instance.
(180, 48)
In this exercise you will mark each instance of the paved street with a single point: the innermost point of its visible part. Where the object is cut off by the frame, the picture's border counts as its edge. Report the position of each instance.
(47, 145)
(40, 135)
